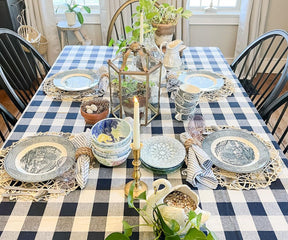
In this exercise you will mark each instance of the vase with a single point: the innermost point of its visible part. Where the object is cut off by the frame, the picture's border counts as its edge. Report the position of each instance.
(70, 18)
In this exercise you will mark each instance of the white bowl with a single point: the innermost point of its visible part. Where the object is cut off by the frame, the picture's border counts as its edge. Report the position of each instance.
(111, 160)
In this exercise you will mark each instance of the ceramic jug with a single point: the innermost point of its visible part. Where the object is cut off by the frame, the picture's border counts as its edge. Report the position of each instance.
(170, 212)
(172, 58)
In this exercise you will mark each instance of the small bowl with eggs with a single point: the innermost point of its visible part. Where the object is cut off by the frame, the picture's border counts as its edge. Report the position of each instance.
(94, 110)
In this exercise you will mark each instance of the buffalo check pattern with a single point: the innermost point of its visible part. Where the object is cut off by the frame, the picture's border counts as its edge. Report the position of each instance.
(99, 209)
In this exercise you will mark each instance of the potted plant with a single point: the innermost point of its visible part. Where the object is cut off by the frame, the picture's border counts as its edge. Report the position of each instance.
(74, 10)
(161, 228)
(163, 18)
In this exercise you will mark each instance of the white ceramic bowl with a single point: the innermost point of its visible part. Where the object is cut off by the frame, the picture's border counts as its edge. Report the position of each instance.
(111, 160)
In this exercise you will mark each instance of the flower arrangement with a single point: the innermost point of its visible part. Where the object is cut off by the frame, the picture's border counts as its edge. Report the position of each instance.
(161, 228)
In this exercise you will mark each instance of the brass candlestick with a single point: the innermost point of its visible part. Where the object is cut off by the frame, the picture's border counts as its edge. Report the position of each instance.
(140, 186)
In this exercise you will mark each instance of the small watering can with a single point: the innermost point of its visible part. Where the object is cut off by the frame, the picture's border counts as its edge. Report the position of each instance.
(172, 55)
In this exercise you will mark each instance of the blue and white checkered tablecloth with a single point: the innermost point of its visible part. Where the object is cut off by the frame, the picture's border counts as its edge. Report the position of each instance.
(99, 209)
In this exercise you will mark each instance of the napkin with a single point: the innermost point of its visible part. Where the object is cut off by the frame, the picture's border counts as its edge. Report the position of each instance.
(104, 80)
(82, 142)
(198, 164)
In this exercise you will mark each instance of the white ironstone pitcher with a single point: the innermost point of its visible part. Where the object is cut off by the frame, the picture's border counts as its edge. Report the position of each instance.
(172, 58)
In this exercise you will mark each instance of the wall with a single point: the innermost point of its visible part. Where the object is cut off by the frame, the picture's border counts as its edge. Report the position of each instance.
(213, 31)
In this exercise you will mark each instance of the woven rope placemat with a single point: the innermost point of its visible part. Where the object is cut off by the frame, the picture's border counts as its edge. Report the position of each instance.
(85, 95)
(246, 181)
(226, 90)
(54, 188)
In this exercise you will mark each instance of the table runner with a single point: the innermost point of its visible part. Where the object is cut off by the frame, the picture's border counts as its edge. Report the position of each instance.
(98, 210)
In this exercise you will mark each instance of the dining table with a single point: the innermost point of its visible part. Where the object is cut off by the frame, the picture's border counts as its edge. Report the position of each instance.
(99, 209)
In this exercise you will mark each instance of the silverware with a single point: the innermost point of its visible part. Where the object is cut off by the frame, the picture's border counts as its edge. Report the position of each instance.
(33, 189)
(36, 195)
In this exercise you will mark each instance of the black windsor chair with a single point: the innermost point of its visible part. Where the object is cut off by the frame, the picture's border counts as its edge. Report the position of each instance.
(276, 118)
(22, 68)
(9, 121)
(262, 68)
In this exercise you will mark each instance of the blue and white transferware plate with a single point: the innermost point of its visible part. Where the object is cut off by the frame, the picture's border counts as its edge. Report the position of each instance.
(203, 79)
(76, 80)
(161, 153)
(236, 150)
(40, 158)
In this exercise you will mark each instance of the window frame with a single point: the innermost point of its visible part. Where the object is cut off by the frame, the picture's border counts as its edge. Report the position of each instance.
(220, 10)
(89, 18)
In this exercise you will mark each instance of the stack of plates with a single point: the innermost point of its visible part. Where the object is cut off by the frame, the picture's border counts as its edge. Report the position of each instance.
(40, 158)
(203, 79)
(76, 80)
(236, 151)
(162, 155)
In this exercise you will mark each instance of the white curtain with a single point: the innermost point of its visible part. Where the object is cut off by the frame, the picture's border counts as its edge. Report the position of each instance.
(109, 7)
(40, 15)
(252, 22)
(182, 28)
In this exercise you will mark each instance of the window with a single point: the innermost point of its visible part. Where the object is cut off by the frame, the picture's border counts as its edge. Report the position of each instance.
(220, 5)
(59, 5)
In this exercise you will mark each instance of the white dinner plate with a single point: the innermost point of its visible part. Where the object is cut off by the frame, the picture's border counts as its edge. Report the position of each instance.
(203, 79)
(76, 80)
(40, 158)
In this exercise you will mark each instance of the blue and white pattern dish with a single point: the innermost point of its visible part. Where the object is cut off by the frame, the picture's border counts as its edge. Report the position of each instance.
(162, 153)
(76, 80)
(40, 158)
(111, 133)
(236, 151)
(203, 79)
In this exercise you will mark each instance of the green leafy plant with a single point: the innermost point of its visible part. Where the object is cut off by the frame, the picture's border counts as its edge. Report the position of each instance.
(167, 14)
(76, 8)
(131, 87)
(162, 230)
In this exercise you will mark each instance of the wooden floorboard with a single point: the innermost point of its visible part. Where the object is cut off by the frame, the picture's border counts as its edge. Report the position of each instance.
(6, 102)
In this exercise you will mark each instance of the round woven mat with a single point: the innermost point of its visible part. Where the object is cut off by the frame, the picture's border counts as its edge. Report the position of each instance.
(79, 96)
(226, 90)
(54, 188)
(246, 181)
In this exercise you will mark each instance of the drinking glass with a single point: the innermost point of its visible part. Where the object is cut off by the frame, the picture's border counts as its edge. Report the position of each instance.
(196, 126)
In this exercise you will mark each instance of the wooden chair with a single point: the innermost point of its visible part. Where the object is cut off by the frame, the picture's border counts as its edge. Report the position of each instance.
(121, 18)
(9, 121)
(22, 68)
(276, 118)
(262, 68)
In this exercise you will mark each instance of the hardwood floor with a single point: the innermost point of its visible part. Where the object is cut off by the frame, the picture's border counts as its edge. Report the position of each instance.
(6, 102)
